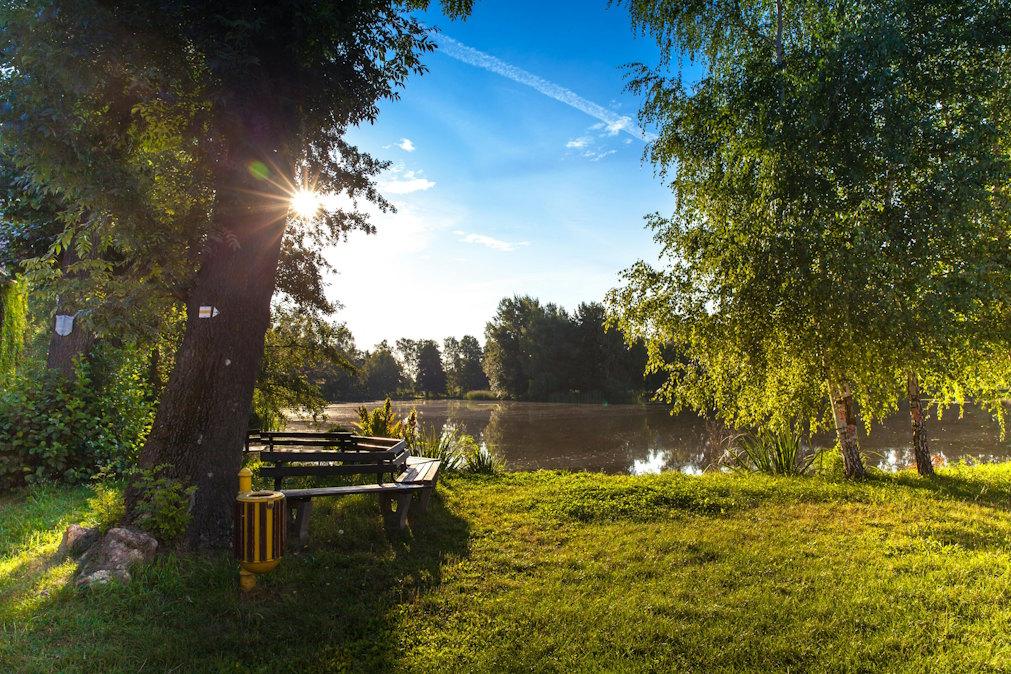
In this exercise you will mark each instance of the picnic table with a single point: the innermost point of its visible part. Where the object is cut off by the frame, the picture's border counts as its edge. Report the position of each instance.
(328, 454)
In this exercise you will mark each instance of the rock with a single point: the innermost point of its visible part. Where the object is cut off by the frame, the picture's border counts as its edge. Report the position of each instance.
(112, 558)
(103, 576)
(76, 541)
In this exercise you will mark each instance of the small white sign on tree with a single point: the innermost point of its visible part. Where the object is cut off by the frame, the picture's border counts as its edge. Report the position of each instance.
(64, 325)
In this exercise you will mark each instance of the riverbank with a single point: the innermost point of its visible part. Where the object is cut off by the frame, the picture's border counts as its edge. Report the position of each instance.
(555, 571)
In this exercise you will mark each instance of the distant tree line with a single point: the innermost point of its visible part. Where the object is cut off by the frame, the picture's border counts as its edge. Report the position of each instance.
(533, 351)
(536, 351)
(410, 368)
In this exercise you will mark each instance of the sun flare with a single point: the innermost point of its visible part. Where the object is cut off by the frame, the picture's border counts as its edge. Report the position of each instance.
(305, 203)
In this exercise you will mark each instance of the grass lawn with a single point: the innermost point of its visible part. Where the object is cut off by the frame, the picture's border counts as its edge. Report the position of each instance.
(555, 571)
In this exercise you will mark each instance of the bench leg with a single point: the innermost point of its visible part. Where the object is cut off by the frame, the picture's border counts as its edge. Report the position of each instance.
(425, 499)
(302, 520)
(403, 506)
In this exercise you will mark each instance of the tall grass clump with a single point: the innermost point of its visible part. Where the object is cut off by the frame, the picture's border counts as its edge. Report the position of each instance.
(483, 460)
(457, 450)
(779, 452)
(447, 444)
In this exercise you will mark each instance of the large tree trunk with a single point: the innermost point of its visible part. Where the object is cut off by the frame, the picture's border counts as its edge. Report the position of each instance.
(201, 423)
(921, 449)
(65, 350)
(845, 417)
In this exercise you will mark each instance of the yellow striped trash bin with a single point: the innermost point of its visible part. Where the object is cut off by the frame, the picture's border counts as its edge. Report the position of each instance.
(260, 530)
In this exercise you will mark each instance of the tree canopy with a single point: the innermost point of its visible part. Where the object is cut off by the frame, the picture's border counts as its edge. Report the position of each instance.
(841, 176)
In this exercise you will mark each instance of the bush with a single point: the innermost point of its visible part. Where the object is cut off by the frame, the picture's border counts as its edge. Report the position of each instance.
(163, 503)
(480, 395)
(771, 452)
(108, 507)
(54, 429)
(828, 462)
(382, 422)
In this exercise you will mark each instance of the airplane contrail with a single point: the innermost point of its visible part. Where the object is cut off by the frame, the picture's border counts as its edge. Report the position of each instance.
(471, 56)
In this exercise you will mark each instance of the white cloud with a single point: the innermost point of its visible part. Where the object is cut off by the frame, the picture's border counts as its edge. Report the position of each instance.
(597, 156)
(489, 241)
(580, 142)
(471, 56)
(618, 125)
(406, 144)
(405, 182)
(406, 186)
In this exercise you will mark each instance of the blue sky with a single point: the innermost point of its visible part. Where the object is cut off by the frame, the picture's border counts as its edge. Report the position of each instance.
(501, 189)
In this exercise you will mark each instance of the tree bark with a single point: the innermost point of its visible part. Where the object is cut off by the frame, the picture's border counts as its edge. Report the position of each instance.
(200, 427)
(921, 448)
(65, 351)
(844, 413)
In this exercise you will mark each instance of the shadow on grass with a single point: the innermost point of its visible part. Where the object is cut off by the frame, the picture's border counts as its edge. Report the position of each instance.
(336, 606)
(993, 493)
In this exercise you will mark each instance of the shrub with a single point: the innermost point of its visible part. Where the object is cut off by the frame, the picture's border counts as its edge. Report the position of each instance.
(55, 429)
(163, 503)
(382, 422)
(828, 462)
(480, 395)
(771, 452)
(108, 507)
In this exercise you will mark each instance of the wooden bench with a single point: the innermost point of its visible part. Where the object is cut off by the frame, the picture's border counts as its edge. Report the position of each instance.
(408, 476)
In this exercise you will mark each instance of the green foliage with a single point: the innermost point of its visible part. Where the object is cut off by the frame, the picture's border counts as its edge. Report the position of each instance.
(829, 464)
(383, 422)
(423, 364)
(131, 152)
(431, 377)
(463, 364)
(775, 452)
(447, 444)
(457, 450)
(841, 212)
(162, 506)
(55, 429)
(376, 375)
(382, 374)
(296, 348)
(534, 351)
(481, 459)
(13, 322)
(107, 506)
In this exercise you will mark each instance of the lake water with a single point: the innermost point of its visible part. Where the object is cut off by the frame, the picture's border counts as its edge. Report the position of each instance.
(647, 439)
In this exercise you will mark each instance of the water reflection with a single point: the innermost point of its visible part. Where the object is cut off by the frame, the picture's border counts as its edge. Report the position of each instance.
(642, 439)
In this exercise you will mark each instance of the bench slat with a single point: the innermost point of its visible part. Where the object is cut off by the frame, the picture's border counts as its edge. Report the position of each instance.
(423, 472)
(287, 456)
(384, 488)
(323, 471)
(302, 434)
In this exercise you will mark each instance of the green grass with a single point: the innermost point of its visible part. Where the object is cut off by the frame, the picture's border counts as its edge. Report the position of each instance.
(551, 571)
